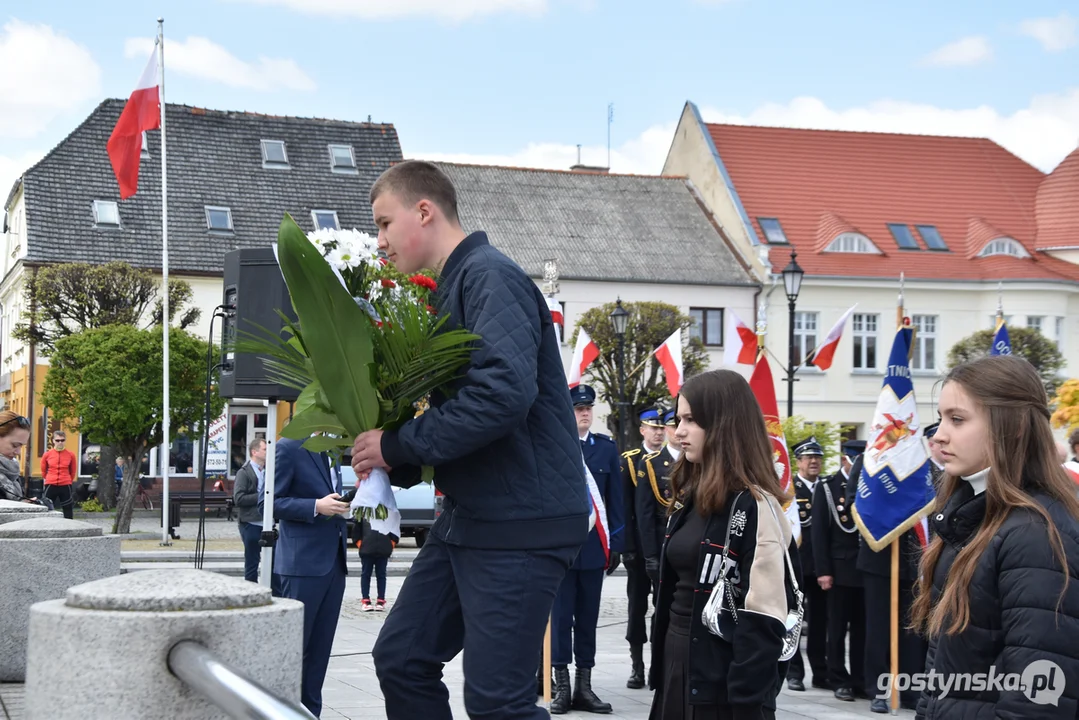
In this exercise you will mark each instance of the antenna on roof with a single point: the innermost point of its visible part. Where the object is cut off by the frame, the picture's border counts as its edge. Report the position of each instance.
(578, 153)
(610, 119)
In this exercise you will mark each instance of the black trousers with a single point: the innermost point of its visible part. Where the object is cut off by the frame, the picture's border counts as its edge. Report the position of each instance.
(638, 588)
(575, 617)
(62, 499)
(816, 614)
(846, 612)
(878, 613)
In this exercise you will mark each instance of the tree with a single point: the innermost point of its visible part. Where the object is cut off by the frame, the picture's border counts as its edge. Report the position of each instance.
(107, 383)
(649, 324)
(796, 429)
(1066, 404)
(1027, 343)
(72, 297)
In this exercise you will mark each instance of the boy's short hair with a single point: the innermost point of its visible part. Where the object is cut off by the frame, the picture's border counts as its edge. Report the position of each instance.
(415, 180)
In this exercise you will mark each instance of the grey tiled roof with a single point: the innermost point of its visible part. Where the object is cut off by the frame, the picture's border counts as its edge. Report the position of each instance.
(214, 158)
(625, 228)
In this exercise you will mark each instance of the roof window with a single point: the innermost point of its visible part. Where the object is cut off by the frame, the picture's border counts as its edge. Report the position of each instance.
(342, 159)
(773, 231)
(904, 238)
(274, 154)
(931, 237)
(106, 214)
(218, 219)
(325, 219)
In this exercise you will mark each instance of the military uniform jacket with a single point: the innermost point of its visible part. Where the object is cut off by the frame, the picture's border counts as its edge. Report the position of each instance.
(653, 497)
(835, 535)
(880, 563)
(804, 498)
(628, 470)
(601, 457)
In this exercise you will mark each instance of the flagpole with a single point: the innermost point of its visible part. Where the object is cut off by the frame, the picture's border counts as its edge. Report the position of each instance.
(165, 444)
(1000, 303)
(894, 619)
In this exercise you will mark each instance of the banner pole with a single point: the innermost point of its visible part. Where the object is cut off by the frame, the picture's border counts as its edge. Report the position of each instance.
(547, 665)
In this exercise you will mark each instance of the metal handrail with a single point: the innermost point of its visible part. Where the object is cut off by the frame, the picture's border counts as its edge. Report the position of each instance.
(231, 692)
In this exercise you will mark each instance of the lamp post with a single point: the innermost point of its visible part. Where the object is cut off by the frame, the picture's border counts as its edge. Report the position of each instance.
(619, 320)
(792, 283)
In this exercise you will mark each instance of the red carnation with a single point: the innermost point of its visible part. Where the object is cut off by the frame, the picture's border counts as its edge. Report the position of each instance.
(424, 282)
(432, 310)
(387, 283)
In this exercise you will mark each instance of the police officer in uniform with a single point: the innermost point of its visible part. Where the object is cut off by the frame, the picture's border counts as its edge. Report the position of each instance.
(810, 456)
(576, 608)
(936, 464)
(876, 570)
(654, 493)
(638, 584)
(835, 556)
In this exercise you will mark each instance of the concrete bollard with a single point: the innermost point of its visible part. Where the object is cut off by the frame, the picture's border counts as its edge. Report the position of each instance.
(123, 628)
(40, 559)
(13, 511)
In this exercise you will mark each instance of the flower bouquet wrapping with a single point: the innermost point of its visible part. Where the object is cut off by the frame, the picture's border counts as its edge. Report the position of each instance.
(366, 351)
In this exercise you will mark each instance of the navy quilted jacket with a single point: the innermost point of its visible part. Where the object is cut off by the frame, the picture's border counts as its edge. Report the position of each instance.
(1014, 619)
(504, 444)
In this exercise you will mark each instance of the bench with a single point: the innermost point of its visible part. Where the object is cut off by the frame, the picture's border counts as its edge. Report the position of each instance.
(212, 499)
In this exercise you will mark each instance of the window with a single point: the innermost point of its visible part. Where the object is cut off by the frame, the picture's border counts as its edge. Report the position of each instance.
(1004, 246)
(931, 237)
(1035, 322)
(773, 231)
(864, 327)
(145, 146)
(1060, 333)
(904, 238)
(106, 213)
(925, 343)
(218, 218)
(342, 159)
(274, 154)
(325, 219)
(182, 455)
(805, 335)
(707, 325)
(850, 242)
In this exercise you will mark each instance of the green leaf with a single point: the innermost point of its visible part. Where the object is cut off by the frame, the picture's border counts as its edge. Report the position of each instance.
(427, 474)
(310, 421)
(323, 443)
(336, 331)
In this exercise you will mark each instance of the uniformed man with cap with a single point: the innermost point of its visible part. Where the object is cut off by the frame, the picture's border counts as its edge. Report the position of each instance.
(835, 556)
(936, 461)
(654, 492)
(576, 608)
(810, 456)
(638, 584)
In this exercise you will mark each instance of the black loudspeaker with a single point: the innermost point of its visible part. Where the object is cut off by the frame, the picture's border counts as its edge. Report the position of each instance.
(254, 291)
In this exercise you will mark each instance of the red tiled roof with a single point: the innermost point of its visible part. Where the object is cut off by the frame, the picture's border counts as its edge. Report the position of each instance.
(1057, 206)
(829, 227)
(869, 180)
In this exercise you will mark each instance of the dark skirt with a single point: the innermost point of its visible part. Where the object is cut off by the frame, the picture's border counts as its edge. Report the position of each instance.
(671, 701)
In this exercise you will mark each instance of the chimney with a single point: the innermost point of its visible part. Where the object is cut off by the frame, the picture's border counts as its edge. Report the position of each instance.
(581, 168)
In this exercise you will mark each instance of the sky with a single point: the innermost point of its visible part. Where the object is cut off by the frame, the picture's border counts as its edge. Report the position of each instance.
(524, 82)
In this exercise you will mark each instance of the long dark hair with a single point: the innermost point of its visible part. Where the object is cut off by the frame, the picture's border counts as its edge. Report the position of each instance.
(737, 454)
(1023, 460)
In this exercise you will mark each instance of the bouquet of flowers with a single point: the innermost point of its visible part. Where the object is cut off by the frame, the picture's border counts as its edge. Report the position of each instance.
(366, 351)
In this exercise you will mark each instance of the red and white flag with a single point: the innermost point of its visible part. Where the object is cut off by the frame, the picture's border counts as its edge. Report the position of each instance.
(1072, 469)
(583, 355)
(822, 357)
(739, 342)
(597, 515)
(141, 113)
(555, 308)
(921, 531)
(669, 356)
(764, 390)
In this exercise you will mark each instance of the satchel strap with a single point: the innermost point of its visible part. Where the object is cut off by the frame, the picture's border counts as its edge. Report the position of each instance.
(730, 516)
(786, 550)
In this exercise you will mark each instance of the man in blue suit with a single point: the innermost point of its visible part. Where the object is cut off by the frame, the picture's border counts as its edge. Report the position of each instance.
(310, 555)
(576, 609)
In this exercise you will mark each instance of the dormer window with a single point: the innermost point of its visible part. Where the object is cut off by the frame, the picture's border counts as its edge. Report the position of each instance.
(342, 159)
(1004, 246)
(274, 154)
(106, 214)
(852, 242)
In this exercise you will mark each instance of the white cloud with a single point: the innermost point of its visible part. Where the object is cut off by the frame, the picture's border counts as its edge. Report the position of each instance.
(199, 57)
(1054, 33)
(1043, 133)
(455, 10)
(12, 168)
(966, 51)
(44, 76)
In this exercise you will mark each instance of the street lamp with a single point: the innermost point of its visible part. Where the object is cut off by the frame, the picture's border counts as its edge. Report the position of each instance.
(619, 320)
(792, 283)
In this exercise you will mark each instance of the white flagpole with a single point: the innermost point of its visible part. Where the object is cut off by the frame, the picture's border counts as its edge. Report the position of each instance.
(166, 445)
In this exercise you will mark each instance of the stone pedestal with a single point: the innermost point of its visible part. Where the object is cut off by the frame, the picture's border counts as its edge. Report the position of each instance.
(120, 630)
(40, 559)
(12, 511)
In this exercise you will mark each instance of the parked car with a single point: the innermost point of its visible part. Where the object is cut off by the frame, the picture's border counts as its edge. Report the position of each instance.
(417, 505)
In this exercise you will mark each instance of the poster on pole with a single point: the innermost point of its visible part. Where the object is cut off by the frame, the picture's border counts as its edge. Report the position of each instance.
(217, 446)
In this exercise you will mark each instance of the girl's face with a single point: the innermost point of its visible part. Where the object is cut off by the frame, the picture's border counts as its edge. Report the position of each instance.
(963, 435)
(12, 443)
(689, 433)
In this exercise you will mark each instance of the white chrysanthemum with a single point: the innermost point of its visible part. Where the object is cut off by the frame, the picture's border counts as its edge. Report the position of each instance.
(324, 239)
(335, 259)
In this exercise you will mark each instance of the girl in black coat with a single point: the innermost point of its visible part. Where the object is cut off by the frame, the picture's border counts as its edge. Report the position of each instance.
(725, 486)
(999, 600)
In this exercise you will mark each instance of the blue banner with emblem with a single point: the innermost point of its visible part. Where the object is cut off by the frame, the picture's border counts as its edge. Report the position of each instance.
(1002, 345)
(895, 489)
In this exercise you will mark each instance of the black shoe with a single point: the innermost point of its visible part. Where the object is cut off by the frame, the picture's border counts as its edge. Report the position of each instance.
(584, 698)
(879, 706)
(636, 675)
(821, 684)
(796, 685)
(560, 697)
(844, 694)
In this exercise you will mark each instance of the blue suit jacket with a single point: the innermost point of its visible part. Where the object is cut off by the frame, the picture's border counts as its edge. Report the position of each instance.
(601, 457)
(307, 544)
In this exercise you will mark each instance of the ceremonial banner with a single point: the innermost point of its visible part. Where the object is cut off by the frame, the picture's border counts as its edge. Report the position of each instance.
(895, 488)
(1002, 345)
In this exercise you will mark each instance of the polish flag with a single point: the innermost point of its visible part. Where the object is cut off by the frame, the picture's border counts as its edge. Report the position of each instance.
(822, 357)
(669, 356)
(597, 514)
(739, 342)
(1072, 469)
(921, 530)
(583, 355)
(141, 113)
(764, 390)
(555, 308)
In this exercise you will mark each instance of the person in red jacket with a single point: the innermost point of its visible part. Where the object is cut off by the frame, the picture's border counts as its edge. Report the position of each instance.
(59, 470)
